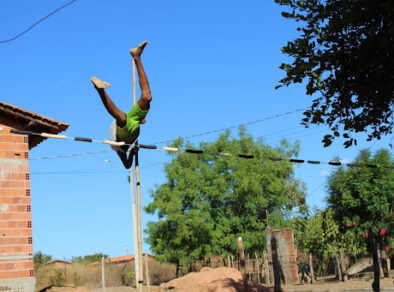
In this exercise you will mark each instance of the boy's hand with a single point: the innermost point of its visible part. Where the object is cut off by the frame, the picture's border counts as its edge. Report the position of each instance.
(134, 150)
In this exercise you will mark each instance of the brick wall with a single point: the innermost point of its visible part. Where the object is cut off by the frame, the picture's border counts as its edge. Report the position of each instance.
(16, 241)
(287, 253)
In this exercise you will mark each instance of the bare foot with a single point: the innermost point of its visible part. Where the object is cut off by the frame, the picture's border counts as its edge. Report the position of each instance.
(98, 83)
(136, 52)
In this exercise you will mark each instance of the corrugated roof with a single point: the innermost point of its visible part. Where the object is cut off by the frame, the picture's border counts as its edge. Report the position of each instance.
(30, 121)
(58, 261)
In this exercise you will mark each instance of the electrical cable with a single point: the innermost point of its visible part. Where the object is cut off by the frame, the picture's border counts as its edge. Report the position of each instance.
(37, 22)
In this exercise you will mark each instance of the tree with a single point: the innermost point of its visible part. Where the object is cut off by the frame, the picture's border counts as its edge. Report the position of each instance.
(318, 235)
(345, 53)
(365, 195)
(89, 258)
(41, 258)
(208, 201)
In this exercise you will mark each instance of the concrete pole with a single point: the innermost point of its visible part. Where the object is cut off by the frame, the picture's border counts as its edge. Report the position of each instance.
(135, 241)
(137, 178)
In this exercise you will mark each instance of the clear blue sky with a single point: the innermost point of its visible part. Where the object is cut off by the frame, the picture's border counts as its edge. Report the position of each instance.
(211, 65)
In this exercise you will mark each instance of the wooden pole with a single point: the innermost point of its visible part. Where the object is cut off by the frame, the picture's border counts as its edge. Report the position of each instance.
(266, 268)
(102, 273)
(242, 262)
(137, 178)
(135, 241)
(136, 227)
(258, 268)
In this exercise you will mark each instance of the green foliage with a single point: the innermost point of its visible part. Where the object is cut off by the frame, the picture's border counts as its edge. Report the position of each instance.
(40, 258)
(208, 201)
(345, 53)
(89, 258)
(318, 234)
(59, 278)
(364, 195)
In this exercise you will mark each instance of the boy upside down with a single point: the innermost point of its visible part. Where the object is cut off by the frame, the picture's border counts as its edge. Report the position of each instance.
(126, 127)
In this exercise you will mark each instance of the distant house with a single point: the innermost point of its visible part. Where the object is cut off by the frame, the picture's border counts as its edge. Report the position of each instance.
(59, 264)
(125, 259)
(128, 258)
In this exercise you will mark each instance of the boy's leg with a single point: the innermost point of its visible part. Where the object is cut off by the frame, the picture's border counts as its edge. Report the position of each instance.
(112, 109)
(146, 97)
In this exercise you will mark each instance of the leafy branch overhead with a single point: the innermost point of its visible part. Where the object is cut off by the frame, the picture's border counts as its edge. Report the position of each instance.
(345, 54)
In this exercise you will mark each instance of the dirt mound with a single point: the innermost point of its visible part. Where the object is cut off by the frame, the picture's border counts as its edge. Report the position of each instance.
(210, 280)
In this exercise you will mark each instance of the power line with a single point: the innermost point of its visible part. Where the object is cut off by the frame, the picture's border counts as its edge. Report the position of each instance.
(37, 22)
(235, 126)
(199, 151)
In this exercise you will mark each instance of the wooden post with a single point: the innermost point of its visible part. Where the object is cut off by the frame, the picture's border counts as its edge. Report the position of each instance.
(258, 268)
(242, 262)
(102, 273)
(147, 272)
(266, 268)
(134, 209)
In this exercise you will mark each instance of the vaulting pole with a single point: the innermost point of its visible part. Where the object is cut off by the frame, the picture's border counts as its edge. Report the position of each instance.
(137, 178)
(137, 209)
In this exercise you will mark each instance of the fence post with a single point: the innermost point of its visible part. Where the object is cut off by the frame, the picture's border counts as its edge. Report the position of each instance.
(266, 268)
(242, 262)
(102, 273)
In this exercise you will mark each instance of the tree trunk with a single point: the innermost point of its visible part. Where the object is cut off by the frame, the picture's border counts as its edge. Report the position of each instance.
(343, 266)
(338, 269)
(311, 268)
(374, 250)
(380, 263)
(177, 269)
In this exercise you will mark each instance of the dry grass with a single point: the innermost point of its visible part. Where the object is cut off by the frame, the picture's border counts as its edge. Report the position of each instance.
(85, 275)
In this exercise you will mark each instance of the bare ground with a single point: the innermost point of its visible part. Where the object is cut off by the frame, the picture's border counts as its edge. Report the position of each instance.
(230, 280)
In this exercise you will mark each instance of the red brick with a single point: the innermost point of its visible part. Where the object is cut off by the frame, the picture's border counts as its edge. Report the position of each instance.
(27, 248)
(21, 265)
(15, 184)
(14, 274)
(15, 216)
(13, 240)
(14, 146)
(11, 139)
(13, 192)
(16, 232)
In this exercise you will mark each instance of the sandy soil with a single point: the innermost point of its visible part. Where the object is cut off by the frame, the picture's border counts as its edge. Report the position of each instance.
(230, 280)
